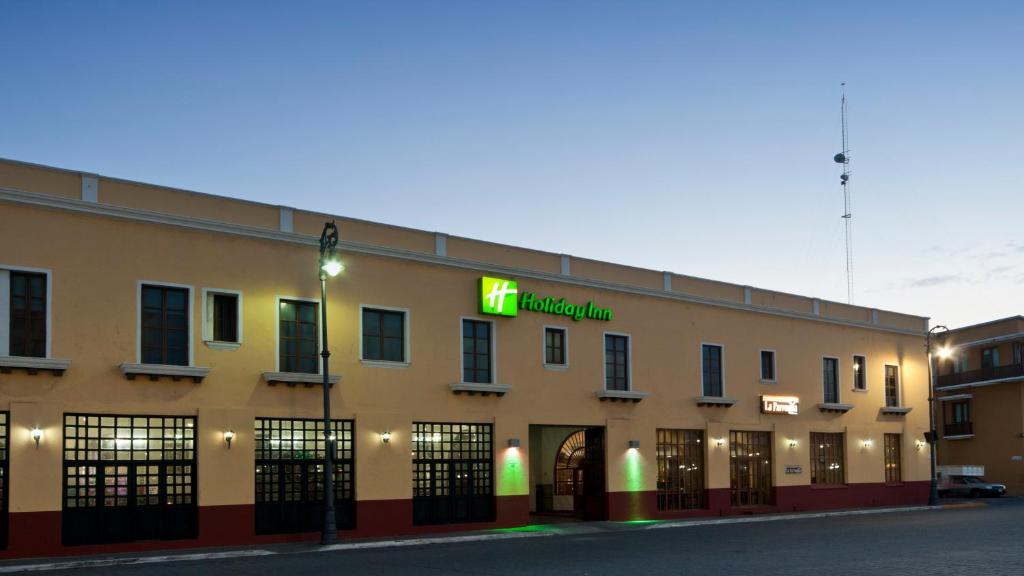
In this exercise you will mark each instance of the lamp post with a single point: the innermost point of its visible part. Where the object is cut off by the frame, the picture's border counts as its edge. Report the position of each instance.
(330, 265)
(933, 434)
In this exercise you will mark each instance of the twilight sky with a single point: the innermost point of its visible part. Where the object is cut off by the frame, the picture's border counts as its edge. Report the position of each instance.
(687, 136)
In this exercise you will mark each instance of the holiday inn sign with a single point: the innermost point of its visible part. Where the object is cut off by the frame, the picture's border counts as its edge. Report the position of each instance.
(501, 297)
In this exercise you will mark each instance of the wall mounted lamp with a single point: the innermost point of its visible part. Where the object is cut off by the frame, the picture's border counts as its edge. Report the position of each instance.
(719, 442)
(793, 443)
(229, 435)
(919, 444)
(867, 443)
(634, 444)
(37, 435)
(513, 443)
(385, 436)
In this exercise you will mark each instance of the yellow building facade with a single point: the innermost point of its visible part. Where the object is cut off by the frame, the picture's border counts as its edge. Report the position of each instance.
(475, 385)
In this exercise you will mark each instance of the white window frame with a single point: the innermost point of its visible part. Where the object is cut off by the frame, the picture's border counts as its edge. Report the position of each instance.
(208, 310)
(700, 381)
(863, 370)
(775, 367)
(406, 340)
(839, 378)
(629, 360)
(277, 332)
(544, 347)
(138, 318)
(494, 350)
(899, 385)
(5, 305)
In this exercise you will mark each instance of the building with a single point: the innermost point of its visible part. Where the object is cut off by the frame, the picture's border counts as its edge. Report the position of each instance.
(160, 382)
(980, 394)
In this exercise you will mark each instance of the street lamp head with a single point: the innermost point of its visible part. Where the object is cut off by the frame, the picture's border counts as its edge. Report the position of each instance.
(333, 267)
(945, 352)
(329, 261)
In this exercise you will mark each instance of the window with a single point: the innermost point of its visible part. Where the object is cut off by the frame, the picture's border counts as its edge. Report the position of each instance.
(767, 365)
(1018, 353)
(554, 346)
(893, 458)
(680, 469)
(383, 335)
(165, 325)
(860, 368)
(128, 478)
(289, 474)
(958, 418)
(827, 458)
(298, 338)
(711, 366)
(892, 386)
(28, 314)
(222, 318)
(750, 468)
(616, 362)
(830, 379)
(990, 357)
(452, 479)
(476, 352)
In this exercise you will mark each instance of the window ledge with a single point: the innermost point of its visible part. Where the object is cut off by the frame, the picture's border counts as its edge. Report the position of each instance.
(556, 367)
(859, 390)
(721, 401)
(155, 371)
(621, 395)
(834, 407)
(33, 365)
(383, 363)
(472, 388)
(767, 381)
(217, 345)
(293, 378)
(895, 410)
(959, 437)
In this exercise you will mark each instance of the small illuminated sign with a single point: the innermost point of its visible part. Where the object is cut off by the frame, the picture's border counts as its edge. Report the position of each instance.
(780, 405)
(501, 297)
(794, 469)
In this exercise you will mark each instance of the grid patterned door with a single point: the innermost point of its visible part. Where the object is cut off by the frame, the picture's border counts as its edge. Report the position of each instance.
(4, 427)
(128, 478)
(452, 473)
(289, 475)
(680, 456)
(750, 468)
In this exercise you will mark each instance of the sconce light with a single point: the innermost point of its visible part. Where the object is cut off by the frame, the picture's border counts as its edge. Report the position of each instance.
(866, 443)
(719, 442)
(513, 442)
(634, 444)
(793, 443)
(385, 437)
(229, 435)
(919, 444)
(37, 435)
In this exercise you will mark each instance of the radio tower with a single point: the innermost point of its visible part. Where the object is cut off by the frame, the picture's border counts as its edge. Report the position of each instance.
(844, 181)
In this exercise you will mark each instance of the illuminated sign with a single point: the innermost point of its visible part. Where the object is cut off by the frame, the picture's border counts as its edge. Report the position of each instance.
(780, 405)
(794, 470)
(501, 297)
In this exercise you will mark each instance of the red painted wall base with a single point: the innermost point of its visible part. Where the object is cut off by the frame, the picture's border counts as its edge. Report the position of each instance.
(34, 534)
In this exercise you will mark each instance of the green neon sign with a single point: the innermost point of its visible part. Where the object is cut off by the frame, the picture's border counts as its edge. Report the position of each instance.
(501, 297)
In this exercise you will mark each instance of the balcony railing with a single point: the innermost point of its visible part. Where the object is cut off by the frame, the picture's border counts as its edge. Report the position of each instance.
(958, 429)
(980, 375)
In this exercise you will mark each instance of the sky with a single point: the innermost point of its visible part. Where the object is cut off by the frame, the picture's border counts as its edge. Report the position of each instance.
(695, 137)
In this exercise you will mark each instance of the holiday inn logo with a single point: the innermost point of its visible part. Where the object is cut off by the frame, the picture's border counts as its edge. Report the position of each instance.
(498, 296)
(501, 297)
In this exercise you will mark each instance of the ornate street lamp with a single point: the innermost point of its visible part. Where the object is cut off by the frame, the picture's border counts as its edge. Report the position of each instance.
(937, 332)
(330, 265)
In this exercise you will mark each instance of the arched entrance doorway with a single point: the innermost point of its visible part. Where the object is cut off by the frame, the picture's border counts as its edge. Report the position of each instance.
(568, 489)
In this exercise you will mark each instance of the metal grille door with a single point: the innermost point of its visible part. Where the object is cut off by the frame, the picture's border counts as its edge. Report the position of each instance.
(452, 473)
(289, 475)
(750, 468)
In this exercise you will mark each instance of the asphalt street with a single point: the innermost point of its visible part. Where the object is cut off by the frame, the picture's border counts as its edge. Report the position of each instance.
(979, 541)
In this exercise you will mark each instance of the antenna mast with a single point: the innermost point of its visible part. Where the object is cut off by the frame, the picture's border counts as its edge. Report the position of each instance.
(844, 181)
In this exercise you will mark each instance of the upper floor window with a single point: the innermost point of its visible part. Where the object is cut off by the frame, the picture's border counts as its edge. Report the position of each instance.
(990, 357)
(1018, 353)
(165, 325)
(476, 352)
(957, 417)
(860, 380)
(830, 379)
(892, 386)
(384, 335)
(27, 315)
(222, 317)
(711, 370)
(768, 365)
(554, 346)
(298, 339)
(616, 362)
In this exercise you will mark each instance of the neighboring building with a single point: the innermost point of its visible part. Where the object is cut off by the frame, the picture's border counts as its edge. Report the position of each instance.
(980, 393)
(142, 327)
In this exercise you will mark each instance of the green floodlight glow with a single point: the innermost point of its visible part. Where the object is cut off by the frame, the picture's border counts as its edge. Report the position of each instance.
(512, 476)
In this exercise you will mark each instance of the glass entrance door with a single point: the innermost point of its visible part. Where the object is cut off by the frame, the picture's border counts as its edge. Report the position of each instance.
(750, 468)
